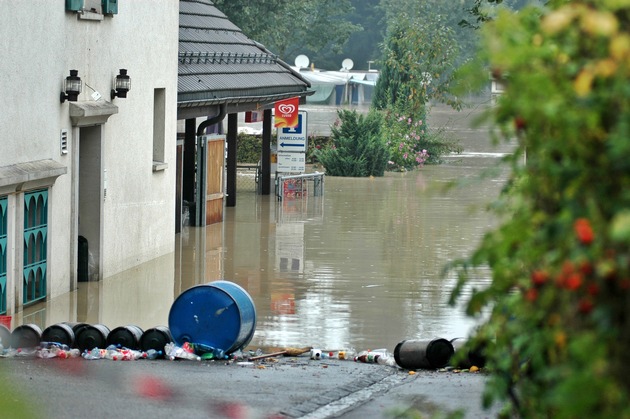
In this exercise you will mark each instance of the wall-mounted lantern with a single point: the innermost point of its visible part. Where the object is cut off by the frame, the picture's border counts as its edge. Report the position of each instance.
(71, 87)
(122, 84)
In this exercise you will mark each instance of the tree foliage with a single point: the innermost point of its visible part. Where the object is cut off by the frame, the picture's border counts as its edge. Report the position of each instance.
(481, 11)
(559, 298)
(287, 26)
(418, 66)
(358, 149)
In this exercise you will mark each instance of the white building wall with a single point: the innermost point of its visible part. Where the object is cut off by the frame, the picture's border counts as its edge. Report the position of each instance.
(42, 42)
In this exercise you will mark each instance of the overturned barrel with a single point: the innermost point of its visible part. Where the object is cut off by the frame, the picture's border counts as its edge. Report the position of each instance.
(125, 336)
(220, 314)
(425, 354)
(467, 356)
(59, 333)
(155, 338)
(5, 336)
(26, 336)
(92, 336)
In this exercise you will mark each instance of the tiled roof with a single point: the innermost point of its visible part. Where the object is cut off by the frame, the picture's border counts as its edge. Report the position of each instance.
(218, 64)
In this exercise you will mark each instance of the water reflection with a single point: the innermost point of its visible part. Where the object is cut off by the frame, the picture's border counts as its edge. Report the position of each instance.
(360, 266)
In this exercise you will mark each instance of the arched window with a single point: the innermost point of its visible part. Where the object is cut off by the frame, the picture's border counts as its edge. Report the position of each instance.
(35, 245)
(3, 254)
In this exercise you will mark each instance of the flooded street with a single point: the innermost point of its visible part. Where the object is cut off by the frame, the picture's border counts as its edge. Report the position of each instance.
(360, 266)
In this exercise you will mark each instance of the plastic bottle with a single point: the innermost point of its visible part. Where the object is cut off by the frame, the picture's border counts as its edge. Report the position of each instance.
(57, 345)
(238, 355)
(130, 354)
(151, 354)
(204, 351)
(46, 353)
(52, 350)
(342, 354)
(386, 358)
(112, 352)
(361, 356)
(372, 357)
(173, 351)
(72, 353)
(95, 353)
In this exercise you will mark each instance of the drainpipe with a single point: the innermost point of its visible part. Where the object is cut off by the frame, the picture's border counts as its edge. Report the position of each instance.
(202, 170)
(215, 119)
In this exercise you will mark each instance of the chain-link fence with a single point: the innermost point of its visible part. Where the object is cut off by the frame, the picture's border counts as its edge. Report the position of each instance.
(247, 177)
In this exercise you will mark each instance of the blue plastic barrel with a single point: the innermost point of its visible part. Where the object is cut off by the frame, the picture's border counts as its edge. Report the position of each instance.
(220, 314)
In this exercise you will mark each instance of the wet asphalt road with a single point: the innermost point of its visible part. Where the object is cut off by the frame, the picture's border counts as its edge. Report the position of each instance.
(284, 387)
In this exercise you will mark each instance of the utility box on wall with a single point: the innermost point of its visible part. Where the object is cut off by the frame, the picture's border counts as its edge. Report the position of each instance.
(74, 5)
(110, 7)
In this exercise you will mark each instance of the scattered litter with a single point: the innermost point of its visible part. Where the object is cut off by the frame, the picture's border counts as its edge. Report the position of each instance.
(245, 363)
(255, 358)
(173, 352)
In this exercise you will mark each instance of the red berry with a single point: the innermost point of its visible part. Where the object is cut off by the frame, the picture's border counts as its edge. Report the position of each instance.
(586, 268)
(592, 289)
(584, 231)
(531, 294)
(573, 281)
(585, 306)
(519, 123)
(539, 277)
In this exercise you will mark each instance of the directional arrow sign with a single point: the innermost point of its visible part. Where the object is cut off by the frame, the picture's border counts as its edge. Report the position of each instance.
(294, 139)
(283, 145)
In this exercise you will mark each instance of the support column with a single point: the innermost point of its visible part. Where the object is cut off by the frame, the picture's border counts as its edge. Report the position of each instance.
(188, 172)
(265, 164)
(230, 187)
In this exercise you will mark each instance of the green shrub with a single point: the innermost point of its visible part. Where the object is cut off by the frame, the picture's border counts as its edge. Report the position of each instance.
(248, 148)
(559, 299)
(357, 149)
(412, 144)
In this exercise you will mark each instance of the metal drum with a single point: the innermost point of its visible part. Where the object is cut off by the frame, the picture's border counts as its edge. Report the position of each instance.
(473, 357)
(92, 336)
(59, 333)
(156, 338)
(5, 336)
(26, 336)
(126, 336)
(427, 354)
(220, 314)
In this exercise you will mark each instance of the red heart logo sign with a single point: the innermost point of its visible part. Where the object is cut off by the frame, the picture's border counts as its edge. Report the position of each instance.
(286, 108)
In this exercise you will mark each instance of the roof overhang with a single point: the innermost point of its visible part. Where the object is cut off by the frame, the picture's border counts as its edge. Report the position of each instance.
(194, 109)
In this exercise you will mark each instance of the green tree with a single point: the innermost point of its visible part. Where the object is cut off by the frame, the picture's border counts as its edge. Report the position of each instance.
(286, 26)
(362, 45)
(418, 66)
(558, 304)
(484, 10)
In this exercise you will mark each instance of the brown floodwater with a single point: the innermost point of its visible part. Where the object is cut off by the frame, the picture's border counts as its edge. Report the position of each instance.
(360, 266)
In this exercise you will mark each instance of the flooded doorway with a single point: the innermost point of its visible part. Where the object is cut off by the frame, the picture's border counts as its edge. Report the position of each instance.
(91, 192)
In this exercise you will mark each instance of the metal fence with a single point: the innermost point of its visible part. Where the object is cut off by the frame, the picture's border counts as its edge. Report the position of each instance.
(297, 186)
(247, 178)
